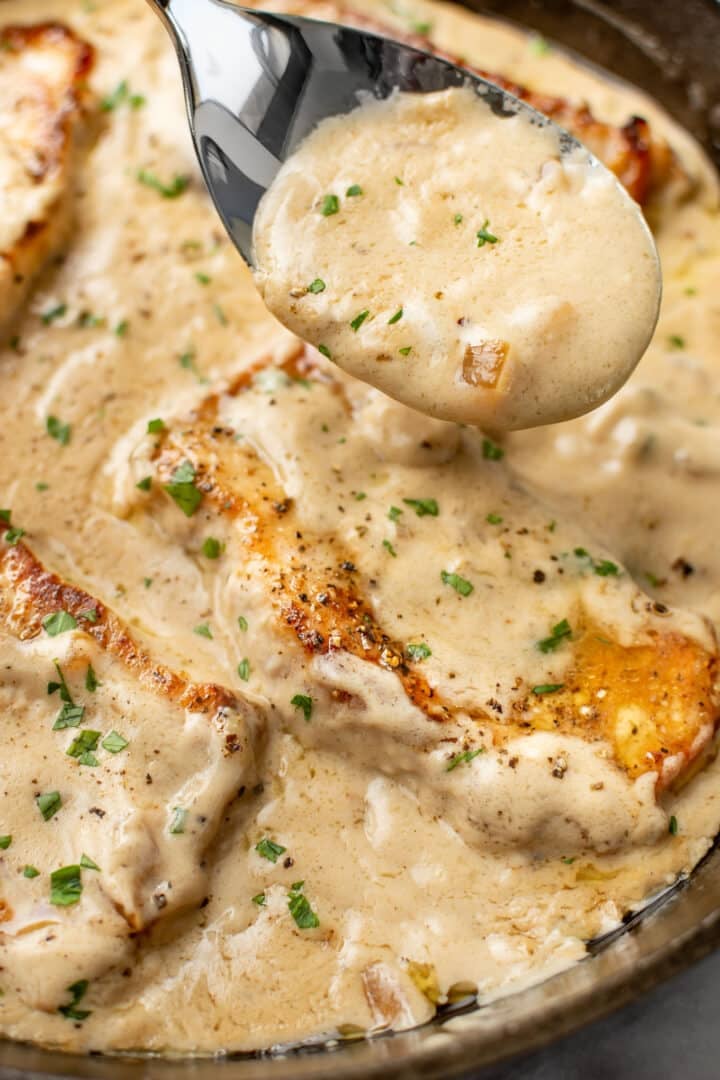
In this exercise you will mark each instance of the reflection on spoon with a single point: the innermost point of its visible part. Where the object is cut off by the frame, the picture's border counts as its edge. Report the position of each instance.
(468, 263)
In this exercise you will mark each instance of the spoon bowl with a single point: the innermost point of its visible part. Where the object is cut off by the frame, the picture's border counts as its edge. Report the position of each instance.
(257, 83)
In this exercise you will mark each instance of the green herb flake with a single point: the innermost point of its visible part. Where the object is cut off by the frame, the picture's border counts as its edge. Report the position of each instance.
(212, 548)
(145, 484)
(560, 633)
(458, 219)
(299, 907)
(155, 426)
(675, 341)
(114, 742)
(389, 548)
(399, 181)
(179, 820)
(606, 568)
(54, 313)
(538, 46)
(459, 584)
(41, 486)
(259, 899)
(182, 489)
(464, 758)
(59, 623)
(88, 864)
(70, 715)
(568, 861)
(201, 278)
(423, 507)
(244, 669)
(494, 519)
(122, 328)
(360, 496)
(305, 703)
(406, 350)
(269, 850)
(91, 680)
(58, 431)
(359, 320)
(5, 842)
(547, 688)
(242, 623)
(330, 205)
(484, 236)
(203, 630)
(88, 321)
(120, 96)
(66, 886)
(30, 872)
(177, 186)
(354, 191)
(83, 745)
(13, 536)
(317, 286)
(394, 513)
(418, 651)
(147, 582)
(77, 992)
(324, 351)
(673, 826)
(91, 615)
(396, 317)
(220, 315)
(491, 452)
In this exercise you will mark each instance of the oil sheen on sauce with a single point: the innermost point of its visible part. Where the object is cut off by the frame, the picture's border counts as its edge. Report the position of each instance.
(451, 257)
(412, 909)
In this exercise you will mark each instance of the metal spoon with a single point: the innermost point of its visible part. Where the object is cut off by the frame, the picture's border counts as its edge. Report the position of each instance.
(257, 83)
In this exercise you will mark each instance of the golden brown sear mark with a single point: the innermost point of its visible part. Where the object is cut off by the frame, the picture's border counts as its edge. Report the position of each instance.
(655, 703)
(29, 593)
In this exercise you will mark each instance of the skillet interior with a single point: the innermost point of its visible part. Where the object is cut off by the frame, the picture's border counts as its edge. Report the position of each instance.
(671, 51)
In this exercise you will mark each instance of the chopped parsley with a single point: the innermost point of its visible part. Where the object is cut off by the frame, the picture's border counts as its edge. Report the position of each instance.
(324, 351)
(465, 757)
(673, 826)
(70, 715)
(259, 899)
(547, 688)
(182, 489)
(606, 568)
(458, 219)
(212, 548)
(54, 313)
(568, 861)
(305, 703)
(389, 548)
(179, 820)
(57, 430)
(675, 341)
(423, 507)
(88, 321)
(155, 426)
(406, 350)
(121, 95)
(77, 992)
(394, 513)
(242, 623)
(59, 623)
(494, 519)
(87, 863)
(317, 286)
(491, 452)
(203, 630)
(91, 680)
(359, 320)
(30, 872)
(459, 584)
(82, 747)
(399, 181)
(145, 484)
(220, 315)
(330, 205)
(484, 237)
(66, 886)
(360, 496)
(396, 317)
(353, 191)
(13, 536)
(299, 907)
(244, 669)
(270, 850)
(418, 651)
(201, 278)
(122, 328)
(560, 633)
(114, 742)
(5, 842)
(538, 45)
(91, 615)
(176, 187)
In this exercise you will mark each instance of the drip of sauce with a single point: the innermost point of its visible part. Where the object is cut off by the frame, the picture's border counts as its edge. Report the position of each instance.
(460, 261)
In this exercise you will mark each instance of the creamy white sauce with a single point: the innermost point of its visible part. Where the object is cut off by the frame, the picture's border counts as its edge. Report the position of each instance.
(417, 885)
(459, 261)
